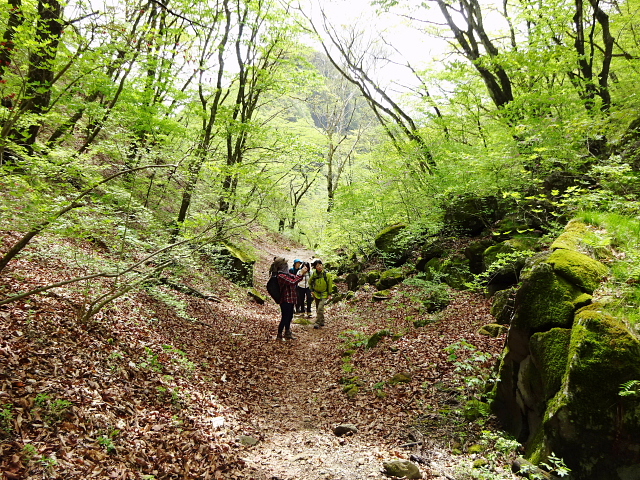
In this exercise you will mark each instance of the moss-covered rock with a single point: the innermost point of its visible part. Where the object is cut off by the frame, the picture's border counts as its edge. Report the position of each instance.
(492, 330)
(372, 277)
(502, 305)
(390, 278)
(475, 253)
(235, 263)
(389, 243)
(432, 249)
(508, 273)
(431, 268)
(578, 268)
(374, 339)
(401, 469)
(572, 236)
(401, 377)
(549, 354)
(545, 300)
(586, 417)
(456, 273)
(470, 214)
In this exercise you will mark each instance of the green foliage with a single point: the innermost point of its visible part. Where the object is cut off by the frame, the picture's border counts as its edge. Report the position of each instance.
(473, 368)
(55, 410)
(180, 359)
(617, 242)
(555, 465)
(630, 389)
(151, 361)
(353, 339)
(172, 300)
(108, 441)
(28, 452)
(6, 419)
(433, 294)
(509, 261)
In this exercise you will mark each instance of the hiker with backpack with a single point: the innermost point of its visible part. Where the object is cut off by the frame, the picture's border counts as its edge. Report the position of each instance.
(287, 283)
(321, 287)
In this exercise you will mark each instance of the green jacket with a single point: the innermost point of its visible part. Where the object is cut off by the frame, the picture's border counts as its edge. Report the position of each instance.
(321, 285)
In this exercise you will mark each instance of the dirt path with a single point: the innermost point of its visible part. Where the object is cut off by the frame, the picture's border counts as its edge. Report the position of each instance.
(302, 398)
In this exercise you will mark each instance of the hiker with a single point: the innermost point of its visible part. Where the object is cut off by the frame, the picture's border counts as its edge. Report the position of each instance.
(297, 266)
(288, 295)
(304, 292)
(321, 286)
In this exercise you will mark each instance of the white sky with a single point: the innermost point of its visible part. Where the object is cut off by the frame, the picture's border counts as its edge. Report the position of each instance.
(411, 45)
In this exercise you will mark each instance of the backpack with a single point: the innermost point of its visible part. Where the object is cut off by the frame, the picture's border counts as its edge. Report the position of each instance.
(273, 288)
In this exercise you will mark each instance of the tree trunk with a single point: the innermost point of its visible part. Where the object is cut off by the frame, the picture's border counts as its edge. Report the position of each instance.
(41, 65)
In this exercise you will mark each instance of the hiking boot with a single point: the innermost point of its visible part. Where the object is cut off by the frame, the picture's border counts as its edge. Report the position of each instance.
(317, 326)
(288, 335)
(279, 336)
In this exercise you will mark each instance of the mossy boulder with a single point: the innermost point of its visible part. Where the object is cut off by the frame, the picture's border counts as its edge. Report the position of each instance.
(389, 243)
(578, 268)
(587, 422)
(390, 278)
(401, 377)
(352, 281)
(475, 253)
(381, 295)
(401, 469)
(572, 237)
(507, 274)
(456, 273)
(234, 263)
(502, 305)
(374, 339)
(470, 214)
(549, 354)
(432, 249)
(492, 330)
(256, 296)
(431, 268)
(545, 300)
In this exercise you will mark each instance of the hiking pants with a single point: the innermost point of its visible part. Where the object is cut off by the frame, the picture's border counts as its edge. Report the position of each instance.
(304, 296)
(287, 316)
(320, 303)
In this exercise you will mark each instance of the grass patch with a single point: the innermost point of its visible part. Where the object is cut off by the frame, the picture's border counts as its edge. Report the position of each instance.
(618, 245)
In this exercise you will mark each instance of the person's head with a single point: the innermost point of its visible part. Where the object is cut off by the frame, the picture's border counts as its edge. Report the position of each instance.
(297, 264)
(279, 264)
(317, 264)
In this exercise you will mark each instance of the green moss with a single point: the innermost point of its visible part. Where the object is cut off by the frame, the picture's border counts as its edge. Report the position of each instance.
(582, 419)
(572, 236)
(578, 268)
(549, 351)
(492, 330)
(240, 253)
(502, 305)
(582, 300)
(545, 300)
(389, 278)
(456, 272)
(385, 238)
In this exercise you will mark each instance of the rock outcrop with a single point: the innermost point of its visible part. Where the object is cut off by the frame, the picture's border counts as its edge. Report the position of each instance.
(562, 369)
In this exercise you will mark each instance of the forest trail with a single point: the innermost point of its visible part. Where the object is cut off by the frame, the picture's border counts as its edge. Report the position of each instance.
(180, 391)
(302, 398)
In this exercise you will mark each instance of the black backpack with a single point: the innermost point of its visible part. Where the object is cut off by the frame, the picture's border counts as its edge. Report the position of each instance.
(273, 288)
